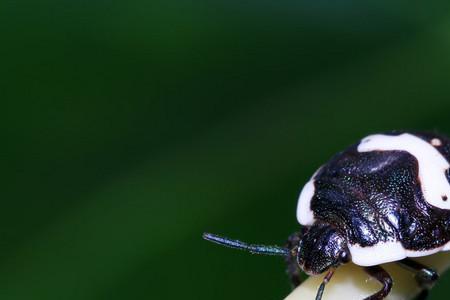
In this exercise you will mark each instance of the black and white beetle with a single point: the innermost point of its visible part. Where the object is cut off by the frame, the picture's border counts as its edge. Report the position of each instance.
(384, 199)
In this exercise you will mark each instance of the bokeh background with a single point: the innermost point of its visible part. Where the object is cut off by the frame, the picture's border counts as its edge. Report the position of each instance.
(130, 127)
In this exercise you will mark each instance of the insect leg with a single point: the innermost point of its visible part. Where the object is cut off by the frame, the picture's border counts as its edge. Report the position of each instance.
(425, 276)
(294, 272)
(293, 269)
(384, 278)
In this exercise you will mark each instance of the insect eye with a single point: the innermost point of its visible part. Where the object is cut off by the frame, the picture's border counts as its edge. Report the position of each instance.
(344, 257)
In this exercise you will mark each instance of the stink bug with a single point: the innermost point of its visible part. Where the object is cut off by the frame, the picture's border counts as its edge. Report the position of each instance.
(384, 199)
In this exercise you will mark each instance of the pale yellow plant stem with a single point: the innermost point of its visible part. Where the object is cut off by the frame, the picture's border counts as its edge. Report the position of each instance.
(350, 282)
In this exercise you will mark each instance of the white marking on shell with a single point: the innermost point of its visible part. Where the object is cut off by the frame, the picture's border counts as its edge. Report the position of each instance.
(377, 254)
(446, 247)
(385, 252)
(413, 253)
(432, 165)
(305, 215)
(436, 142)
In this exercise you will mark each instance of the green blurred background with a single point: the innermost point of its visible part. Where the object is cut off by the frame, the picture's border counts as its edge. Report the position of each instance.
(130, 127)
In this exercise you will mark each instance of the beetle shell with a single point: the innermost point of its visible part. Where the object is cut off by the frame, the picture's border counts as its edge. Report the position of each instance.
(389, 195)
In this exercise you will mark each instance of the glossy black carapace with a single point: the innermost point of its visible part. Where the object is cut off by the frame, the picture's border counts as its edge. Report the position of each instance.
(384, 199)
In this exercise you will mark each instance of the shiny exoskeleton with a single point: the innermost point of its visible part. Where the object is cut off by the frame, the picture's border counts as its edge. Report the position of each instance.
(373, 203)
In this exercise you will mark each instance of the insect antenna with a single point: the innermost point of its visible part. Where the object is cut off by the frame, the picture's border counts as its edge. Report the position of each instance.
(252, 248)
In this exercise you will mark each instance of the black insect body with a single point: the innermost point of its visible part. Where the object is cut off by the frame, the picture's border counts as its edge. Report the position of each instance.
(382, 200)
